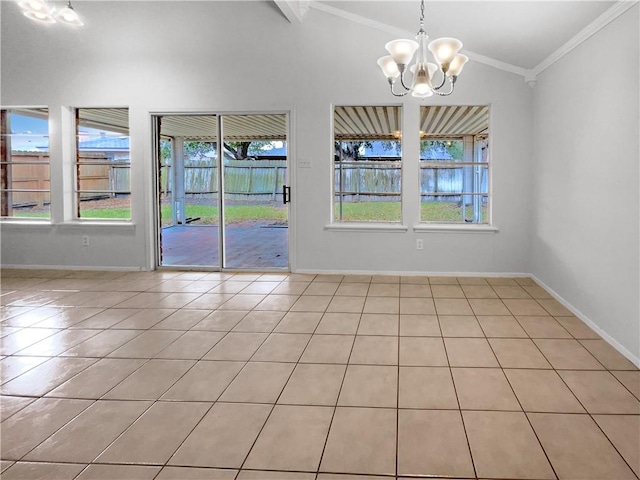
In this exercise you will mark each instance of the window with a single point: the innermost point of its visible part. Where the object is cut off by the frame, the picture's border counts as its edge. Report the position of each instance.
(25, 189)
(103, 163)
(454, 164)
(367, 164)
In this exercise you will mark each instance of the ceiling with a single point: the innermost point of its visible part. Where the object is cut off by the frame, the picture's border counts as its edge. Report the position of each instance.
(519, 33)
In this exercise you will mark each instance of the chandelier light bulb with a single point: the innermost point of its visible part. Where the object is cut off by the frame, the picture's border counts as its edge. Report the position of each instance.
(402, 50)
(42, 17)
(389, 67)
(34, 5)
(68, 16)
(457, 64)
(445, 49)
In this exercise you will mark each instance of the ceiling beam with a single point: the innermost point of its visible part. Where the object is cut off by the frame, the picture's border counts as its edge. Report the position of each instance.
(293, 10)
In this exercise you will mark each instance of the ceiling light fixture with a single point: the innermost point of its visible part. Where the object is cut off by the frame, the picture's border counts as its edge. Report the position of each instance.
(40, 11)
(445, 52)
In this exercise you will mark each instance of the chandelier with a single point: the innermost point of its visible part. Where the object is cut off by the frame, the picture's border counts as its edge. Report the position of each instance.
(40, 11)
(445, 52)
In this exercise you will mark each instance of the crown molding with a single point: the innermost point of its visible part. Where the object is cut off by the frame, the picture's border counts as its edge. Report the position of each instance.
(598, 24)
(290, 9)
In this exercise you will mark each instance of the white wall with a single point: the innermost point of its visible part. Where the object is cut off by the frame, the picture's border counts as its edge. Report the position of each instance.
(586, 164)
(244, 56)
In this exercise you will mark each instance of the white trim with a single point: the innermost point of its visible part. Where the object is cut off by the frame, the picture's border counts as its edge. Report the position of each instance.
(73, 267)
(454, 228)
(492, 62)
(91, 225)
(599, 23)
(590, 323)
(12, 223)
(289, 10)
(367, 227)
(405, 273)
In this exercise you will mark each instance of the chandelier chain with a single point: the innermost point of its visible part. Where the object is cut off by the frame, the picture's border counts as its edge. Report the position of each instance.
(421, 16)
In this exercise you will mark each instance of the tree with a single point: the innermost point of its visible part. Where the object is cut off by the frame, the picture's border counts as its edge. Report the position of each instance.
(454, 148)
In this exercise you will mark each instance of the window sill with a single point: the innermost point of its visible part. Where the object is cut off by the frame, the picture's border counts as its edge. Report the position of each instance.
(367, 227)
(25, 223)
(82, 224)
(454, 228)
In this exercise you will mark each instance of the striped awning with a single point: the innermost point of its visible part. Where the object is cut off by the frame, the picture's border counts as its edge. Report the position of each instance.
(442, 121)
(367, 123)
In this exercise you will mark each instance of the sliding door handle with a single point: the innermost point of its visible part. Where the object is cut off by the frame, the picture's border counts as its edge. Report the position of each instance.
(286, 194)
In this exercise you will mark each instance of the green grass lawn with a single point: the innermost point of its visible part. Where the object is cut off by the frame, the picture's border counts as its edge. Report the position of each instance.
(351, 212)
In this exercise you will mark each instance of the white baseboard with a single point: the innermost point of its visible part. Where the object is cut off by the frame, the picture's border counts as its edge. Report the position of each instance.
(635, 359)
(72, 267)
(409, 273)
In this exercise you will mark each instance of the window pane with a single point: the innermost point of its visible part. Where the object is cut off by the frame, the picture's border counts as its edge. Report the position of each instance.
(367, 164)
(103, 163)
(454, 164)
(24, 163)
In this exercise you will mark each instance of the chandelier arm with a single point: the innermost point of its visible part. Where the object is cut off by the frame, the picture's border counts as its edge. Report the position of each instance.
(444, 79)
(396, 94)
(444, 94)
(402, 81)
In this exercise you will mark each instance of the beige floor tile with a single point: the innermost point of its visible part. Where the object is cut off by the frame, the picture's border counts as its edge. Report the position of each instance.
(35, 422)
(191, 346)
(554, 307)
(69, 317)
(417, 306)
(46, 376)
(98, 379)
(211, 301)
(567, 354)
(112, 472)
(607, 355)
(290, 288)
(624, 432)
(353, 289)
(378, 324)
(221, 320)
(151, 380)
(443, 280)
(447, 291)
(292, 439)
(346, 304)
(320, 288)
(631, 380)
(484, 389)
(521, 306)
(107, 299)
(501, 326)
(242, 302)
(369, 386)
(147, 344)
(600, 392)
(264, 288)
(488, 306)
(356, 279)
(460, 326)
(419, 326)
(230, 287)
(503, 445)
(577, 448)
(277, 303)
(224, 436)
(107, 318)
(536, 291)
(328, 349)
(472, 281)
(299, 322)
(382, 305)
(499, 281)
(426, 387)
(329, 278)
(543, 391)
(577, 328)
(157, 434)
(80, 440)
(282, 347)
(182, 319)
(30, 316)
(144, 300)
(205, 382)
(4, 464)
(190, 473)
(434, 443)
(144, 319)
(415, 290)
(102, 344)
(368, 434)
(312, 303)
(24, 338)
(470, 352)
(414, 280)
(543, 327)
(384, 290)
(258, 383)
(511, 291)
(42, 471)
(422, 351)
(313, 384)
(11, 405)
(518, 353)
(259, 322)
(338, 323)
(452, 306)
(13, 366)
(375, 350)
(236, 346)
(267, 475)
(385, 279)
(479, 291)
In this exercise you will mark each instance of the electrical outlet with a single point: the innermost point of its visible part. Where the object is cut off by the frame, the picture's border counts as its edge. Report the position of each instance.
(419, 244)
(85, 240)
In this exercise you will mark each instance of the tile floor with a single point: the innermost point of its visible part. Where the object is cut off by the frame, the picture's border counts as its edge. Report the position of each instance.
(170, 375)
